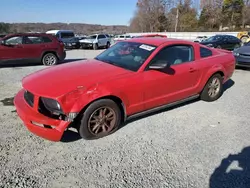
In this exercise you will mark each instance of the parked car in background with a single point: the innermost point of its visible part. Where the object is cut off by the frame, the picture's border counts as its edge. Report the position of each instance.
(2, 35)
(150, 35)
(31, 48)
(226, 42)
(200, 38)
(96, 41)
(118, 38)
(97, 96)
(244, 36)
(67, 37)
(242, 55)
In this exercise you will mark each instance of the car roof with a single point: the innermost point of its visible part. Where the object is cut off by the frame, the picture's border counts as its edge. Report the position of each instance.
(28, 34)
(158, 41)
(56, 31)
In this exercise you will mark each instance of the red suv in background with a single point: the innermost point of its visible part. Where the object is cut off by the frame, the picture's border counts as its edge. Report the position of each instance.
(31, 48)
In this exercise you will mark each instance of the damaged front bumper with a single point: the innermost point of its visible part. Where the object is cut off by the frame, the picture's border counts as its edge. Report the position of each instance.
(46, 127)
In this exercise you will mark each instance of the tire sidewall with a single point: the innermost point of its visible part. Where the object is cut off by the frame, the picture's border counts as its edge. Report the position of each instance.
(83, 127)
(108, 45)
(49, 54)
(205, 96)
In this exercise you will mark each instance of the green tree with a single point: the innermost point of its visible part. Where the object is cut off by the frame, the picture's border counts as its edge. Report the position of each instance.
(232, 11)
(4, 28)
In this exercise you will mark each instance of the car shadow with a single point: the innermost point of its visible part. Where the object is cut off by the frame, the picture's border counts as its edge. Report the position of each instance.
(242, 68)
(25, 64)
(233, 172)
(70, 136)
(227, 85)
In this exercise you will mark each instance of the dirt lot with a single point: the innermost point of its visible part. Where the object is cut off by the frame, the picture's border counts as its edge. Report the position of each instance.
(196, 145)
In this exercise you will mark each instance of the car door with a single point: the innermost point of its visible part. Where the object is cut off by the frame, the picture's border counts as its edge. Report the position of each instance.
(12, 49)
(101, 40)
(33, 47)
(178, 81)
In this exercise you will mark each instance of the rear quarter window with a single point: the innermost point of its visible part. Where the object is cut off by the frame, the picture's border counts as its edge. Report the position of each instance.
(204, 52)
(46, 40)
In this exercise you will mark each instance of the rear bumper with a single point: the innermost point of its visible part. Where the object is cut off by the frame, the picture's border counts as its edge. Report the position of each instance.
(34, 121)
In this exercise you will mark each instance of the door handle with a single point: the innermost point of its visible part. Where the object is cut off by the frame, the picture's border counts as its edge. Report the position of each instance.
(192, 70)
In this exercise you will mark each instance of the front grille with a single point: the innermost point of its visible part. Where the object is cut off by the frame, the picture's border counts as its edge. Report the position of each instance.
(29, 98)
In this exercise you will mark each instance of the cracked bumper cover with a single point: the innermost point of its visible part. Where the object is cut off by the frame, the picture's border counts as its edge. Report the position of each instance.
(33, 120)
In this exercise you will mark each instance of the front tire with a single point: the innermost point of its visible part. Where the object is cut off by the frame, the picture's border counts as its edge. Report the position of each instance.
(100, 119)
(49, 59)
(95, 46)
(213, 89)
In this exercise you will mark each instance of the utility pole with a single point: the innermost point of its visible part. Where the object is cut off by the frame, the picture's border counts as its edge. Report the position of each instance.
(177, 19)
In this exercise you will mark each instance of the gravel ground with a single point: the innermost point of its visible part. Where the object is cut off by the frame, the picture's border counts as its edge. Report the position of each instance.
(195, 145)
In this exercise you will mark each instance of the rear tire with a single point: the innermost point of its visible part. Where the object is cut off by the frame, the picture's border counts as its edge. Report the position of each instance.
(97, 122)
(108, 45)
(49, 59)
(213, 89)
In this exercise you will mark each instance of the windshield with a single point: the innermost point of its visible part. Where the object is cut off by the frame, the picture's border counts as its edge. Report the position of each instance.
(214, 38)
(91, 37)
(128, 55)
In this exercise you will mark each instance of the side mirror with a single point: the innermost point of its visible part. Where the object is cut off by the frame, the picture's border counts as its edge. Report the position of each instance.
(158, 66)
(2, 42)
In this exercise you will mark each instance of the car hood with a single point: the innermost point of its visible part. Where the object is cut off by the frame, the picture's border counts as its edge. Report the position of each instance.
(87, 40)
(73, 39)
(243, 50)
(61, 79)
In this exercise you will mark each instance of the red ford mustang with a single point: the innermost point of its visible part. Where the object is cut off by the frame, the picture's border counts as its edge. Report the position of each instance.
(129, 79)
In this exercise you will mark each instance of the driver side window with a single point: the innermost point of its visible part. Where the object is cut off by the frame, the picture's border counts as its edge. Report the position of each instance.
(173, 55)
(14, 40)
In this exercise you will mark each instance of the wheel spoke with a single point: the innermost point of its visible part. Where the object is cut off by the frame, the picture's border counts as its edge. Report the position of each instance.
(104, 127)
(94, 120)
(95, 127)
(97, 130)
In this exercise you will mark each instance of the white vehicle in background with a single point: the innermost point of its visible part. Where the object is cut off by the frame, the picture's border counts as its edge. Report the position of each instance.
(67, 37)
(121, 37)
(200, 38)
(96, 41)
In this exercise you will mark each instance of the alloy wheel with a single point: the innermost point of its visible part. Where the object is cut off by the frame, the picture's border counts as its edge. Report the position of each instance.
(50, 60)
(102, 120)
(214, 87)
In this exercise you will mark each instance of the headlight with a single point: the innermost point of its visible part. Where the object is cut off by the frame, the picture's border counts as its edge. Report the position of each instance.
(51, 105)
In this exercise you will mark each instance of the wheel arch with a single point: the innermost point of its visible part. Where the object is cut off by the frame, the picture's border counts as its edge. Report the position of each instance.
(211, 74)
(50, 51)
(114, 98)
